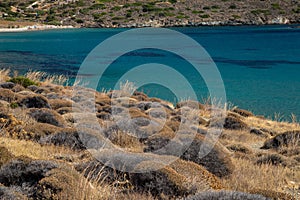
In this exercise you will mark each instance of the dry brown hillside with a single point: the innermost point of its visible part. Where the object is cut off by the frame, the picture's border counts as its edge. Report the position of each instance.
(43, 156)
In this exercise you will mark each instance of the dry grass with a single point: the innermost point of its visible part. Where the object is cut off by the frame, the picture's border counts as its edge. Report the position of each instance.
(130, 143)
(97, 188)
(275, 126)
(240, 136)
(78, 187)
(127, 87)
(39, 76)
(248, 177)
(33, 150)
(4, 75)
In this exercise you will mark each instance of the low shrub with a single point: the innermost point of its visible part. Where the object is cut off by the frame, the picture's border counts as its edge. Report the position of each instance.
(25, 82)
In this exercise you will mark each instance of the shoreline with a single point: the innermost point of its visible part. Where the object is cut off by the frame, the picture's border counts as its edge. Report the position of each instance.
(34, 28)
(206, 24)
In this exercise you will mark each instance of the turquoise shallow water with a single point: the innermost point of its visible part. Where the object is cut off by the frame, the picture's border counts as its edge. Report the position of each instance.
(260, 66)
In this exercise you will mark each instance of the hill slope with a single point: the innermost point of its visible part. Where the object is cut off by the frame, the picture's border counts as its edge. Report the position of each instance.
(43, 151)
(142, 13)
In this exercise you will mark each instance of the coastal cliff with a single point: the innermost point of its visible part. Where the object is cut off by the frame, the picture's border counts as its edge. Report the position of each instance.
(163, 13)
(43, 156)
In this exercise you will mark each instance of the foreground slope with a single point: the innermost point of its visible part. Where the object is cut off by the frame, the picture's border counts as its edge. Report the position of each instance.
(42, 155)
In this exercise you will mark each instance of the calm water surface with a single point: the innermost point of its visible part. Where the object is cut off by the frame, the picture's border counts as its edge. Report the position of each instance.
(260, 66)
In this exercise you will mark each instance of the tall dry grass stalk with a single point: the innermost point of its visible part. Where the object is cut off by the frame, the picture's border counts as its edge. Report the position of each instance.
(294, 118)
(127, 87)
(4, 75)
(35, 75)
(39, 76)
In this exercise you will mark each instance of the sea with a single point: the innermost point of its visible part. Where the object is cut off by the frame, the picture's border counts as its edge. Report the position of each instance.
(259, 65)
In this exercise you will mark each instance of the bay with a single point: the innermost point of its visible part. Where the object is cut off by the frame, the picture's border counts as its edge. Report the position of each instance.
(260, 65)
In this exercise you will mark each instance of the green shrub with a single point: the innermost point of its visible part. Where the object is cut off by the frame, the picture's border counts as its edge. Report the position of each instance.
(275, 6)
(79, 21)
(25, 82)
(215, 7)
(205, 16)
(197, 11)
(97, 6)
(236, 16)
(296, 10)
(233, 6)
(116, 8)
(14, 105)
(260, 11)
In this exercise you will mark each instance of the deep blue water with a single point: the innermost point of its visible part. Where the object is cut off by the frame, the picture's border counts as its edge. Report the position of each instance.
(260, 66)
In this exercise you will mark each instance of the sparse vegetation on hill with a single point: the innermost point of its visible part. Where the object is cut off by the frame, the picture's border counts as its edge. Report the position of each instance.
(42, 155)
(106, 13)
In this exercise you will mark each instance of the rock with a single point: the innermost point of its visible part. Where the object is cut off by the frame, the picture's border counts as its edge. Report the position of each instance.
(289, 138)
(231, 122)
(234, 123)
(157, 113)
(125, 102)
(104, 116)
(7, 85)
(33, 88)
(45, 115)
(7, 193)
(258, 132)
(34, 101)
(273, 159)
(20, 171)
(226, 195)
(239, 148)
(65, 110)
(67, 138)
(242, 112)
(40, 90)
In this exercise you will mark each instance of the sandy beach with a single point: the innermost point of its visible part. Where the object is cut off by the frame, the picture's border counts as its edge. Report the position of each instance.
(33, 28)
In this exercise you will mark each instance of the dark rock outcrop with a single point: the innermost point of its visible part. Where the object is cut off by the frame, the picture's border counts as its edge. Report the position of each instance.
(34, 101)
(289, 138)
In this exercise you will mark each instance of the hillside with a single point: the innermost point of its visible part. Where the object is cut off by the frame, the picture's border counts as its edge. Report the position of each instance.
(43, 156)
(142, 13)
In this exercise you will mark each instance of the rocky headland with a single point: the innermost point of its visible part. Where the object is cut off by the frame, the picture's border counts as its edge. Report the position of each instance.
(42, 155)
(158, 13)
